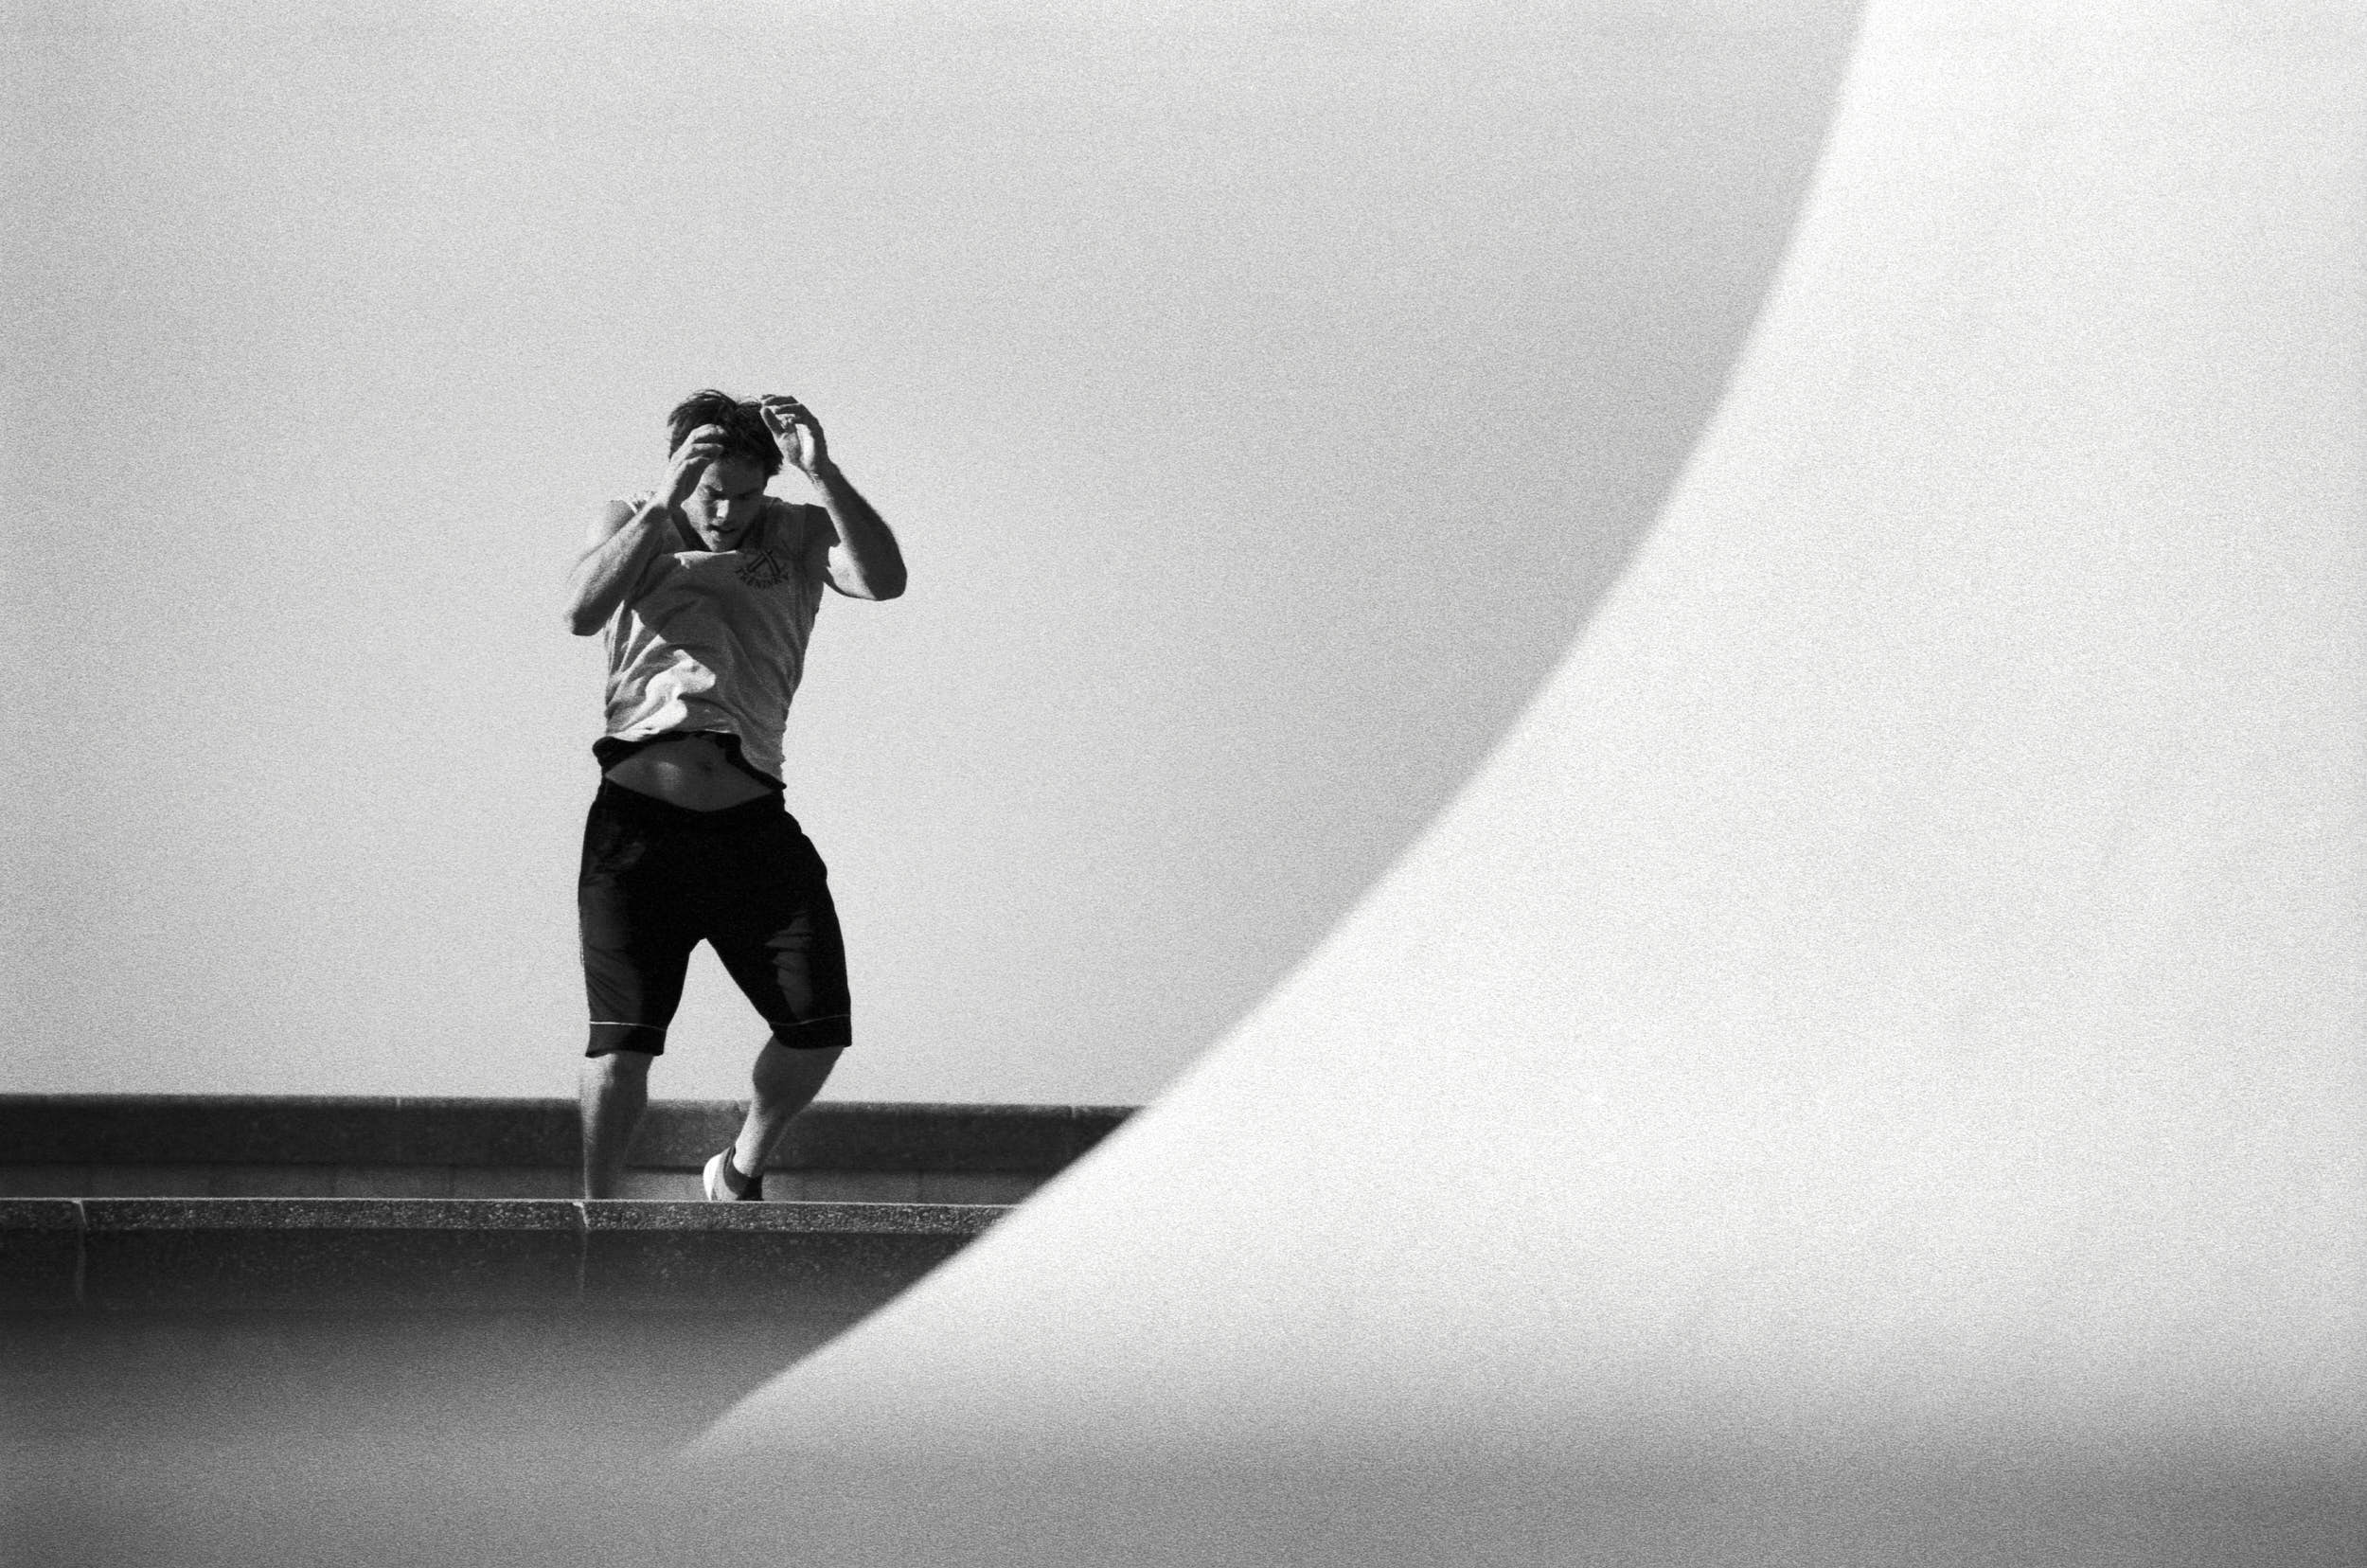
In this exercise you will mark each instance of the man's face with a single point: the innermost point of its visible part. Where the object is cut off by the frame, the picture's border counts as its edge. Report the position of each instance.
(727, 502)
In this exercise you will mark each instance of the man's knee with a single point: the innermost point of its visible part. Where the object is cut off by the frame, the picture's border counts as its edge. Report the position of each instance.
(619, 1066)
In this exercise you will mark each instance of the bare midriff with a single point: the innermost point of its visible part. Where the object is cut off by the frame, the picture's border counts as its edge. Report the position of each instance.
(690, 771)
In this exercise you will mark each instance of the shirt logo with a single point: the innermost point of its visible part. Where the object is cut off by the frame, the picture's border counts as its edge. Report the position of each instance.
(763, 569)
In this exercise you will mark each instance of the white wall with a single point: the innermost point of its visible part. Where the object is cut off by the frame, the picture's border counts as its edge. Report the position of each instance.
(1870, 1070)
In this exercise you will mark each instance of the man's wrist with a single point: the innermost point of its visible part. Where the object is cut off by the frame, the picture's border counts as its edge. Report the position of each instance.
(822, 473)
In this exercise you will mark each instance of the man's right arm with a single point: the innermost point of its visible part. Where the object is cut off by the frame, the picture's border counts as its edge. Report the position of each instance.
(617, 550)
(625, 539)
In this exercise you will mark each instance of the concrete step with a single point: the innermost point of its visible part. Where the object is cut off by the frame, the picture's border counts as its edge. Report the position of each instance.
(833, 1261)
(151, 1145)
(158, 1205)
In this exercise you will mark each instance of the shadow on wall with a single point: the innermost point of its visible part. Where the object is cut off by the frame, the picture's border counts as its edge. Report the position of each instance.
(271, 1437)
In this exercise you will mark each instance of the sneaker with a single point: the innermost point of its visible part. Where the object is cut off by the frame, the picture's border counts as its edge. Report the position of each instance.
(725, 1184)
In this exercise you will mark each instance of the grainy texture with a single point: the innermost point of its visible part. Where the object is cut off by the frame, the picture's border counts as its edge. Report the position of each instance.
(41, 1243)
(329, 1254)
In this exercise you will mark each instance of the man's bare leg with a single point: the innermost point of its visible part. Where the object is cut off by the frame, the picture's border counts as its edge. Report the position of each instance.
(785, 1081)
(613, 1091)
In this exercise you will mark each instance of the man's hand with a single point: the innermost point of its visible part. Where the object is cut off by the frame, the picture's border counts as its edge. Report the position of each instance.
(864, 561)
(795, 432)
(700, 448)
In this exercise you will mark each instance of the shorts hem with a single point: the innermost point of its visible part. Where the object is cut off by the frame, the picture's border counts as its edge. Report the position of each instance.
(816, 1034)
(607, 1039)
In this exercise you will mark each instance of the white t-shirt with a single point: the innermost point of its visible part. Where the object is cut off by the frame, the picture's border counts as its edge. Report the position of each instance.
(716, 639)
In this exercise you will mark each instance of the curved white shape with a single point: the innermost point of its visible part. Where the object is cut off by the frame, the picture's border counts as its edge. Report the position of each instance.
(1901, 983)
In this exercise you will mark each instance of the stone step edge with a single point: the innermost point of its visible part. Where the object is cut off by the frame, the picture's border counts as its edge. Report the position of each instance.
(119, 1130)
(405, 1253)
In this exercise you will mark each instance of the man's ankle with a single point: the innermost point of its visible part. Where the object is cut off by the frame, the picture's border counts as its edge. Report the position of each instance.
(736, 1183)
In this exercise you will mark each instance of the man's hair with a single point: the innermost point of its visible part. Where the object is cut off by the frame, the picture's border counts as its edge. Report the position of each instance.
(745, 434)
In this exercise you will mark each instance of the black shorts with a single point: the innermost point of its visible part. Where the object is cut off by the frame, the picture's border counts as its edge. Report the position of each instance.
(659, 879)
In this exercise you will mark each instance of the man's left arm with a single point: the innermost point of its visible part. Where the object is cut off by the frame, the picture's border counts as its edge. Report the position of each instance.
(866, 561)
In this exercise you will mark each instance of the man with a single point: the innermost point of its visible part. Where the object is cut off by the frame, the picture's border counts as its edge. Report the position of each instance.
(704, 591)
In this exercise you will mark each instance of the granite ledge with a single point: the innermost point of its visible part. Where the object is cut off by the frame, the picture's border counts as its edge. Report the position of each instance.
(836, 1219)
(105, 1216)
(363, 1253)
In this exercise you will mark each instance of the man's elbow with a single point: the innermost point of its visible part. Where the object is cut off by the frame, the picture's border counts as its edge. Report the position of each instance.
(875, 586)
